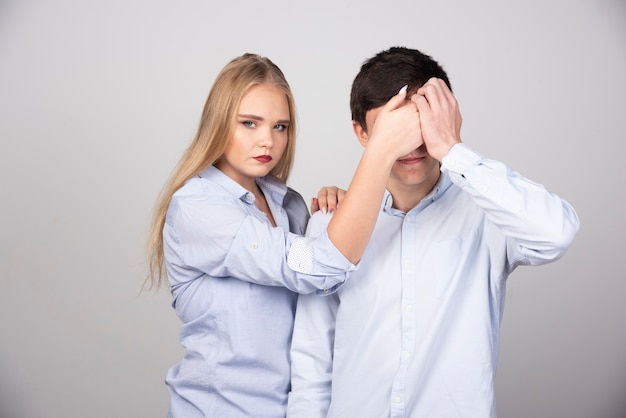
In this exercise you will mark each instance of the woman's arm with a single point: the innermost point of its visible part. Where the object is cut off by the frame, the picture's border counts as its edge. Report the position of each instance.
(395, 133)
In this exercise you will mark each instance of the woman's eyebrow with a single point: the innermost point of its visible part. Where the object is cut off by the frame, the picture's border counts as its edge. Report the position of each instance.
(255, 117)
(260, 118)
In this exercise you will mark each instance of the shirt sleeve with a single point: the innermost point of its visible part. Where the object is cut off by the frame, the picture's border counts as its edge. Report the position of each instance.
(216, 236)
(538, 224)
(312, 350)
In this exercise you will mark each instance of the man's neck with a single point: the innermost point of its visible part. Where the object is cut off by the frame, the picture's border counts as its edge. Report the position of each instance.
(406, 197)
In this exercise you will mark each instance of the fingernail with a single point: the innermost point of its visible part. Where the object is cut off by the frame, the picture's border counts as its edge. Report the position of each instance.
(403, 89)
(323, 210)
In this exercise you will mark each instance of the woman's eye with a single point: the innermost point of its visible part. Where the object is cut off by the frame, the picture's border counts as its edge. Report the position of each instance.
(248, 123)
(280, 127)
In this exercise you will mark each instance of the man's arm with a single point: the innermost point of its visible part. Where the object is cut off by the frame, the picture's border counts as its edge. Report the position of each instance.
(312, 347)
(539, 225)
(312, 356)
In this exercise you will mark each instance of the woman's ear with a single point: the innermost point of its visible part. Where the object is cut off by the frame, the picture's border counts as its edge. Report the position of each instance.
(361, 134)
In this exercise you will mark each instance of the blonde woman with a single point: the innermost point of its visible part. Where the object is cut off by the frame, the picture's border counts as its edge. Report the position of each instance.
(229, 234)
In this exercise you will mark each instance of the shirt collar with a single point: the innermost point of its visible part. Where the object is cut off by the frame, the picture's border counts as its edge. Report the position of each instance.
(442, 185)
(272, 188)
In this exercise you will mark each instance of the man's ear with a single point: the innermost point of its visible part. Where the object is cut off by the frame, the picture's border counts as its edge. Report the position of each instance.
(361, 134)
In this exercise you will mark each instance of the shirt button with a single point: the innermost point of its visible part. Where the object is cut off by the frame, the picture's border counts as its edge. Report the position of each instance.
(254, 245)
(406, 354)
(408, 308)
(408, 219)
(397, 399)
(249, 196)
(326, 291)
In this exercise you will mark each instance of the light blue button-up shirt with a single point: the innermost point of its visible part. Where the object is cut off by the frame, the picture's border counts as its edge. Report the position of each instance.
(234, 291)
(415, 332)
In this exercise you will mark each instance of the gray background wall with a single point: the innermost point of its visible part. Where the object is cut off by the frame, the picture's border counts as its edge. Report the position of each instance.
(99, 98)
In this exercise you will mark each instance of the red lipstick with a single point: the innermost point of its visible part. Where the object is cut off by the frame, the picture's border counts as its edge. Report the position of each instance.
(264, 159)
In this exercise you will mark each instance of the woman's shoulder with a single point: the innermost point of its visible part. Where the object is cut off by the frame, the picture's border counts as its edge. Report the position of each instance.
(297, 211)
(293, 196)
(294, 202)
(201, 194)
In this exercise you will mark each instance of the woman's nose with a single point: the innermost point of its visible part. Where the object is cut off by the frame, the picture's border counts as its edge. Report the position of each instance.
(266, 140)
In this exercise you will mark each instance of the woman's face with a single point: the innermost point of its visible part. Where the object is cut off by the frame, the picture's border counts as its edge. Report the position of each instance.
(260, 137)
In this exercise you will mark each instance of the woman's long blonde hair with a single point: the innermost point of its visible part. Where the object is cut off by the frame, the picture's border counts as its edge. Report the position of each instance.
(213, 135)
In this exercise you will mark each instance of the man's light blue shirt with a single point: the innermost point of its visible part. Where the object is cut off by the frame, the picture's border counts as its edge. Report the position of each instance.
(234, 287)
(415, 331)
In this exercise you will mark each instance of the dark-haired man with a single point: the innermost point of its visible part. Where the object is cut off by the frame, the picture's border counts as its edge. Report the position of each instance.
(414, 332)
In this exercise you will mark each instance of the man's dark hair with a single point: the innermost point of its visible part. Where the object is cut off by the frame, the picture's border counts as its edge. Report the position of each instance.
(382, 76)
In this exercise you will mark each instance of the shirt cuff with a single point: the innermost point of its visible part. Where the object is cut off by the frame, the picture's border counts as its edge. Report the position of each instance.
(319, 257)
(459, 159)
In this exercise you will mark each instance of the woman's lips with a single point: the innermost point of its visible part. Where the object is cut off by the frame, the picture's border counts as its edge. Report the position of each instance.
(263, 158)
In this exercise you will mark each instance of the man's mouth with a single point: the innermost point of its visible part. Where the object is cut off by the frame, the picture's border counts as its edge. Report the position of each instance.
(410, 160)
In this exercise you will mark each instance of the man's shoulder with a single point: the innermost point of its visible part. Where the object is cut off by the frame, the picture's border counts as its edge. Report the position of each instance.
(318, 223)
